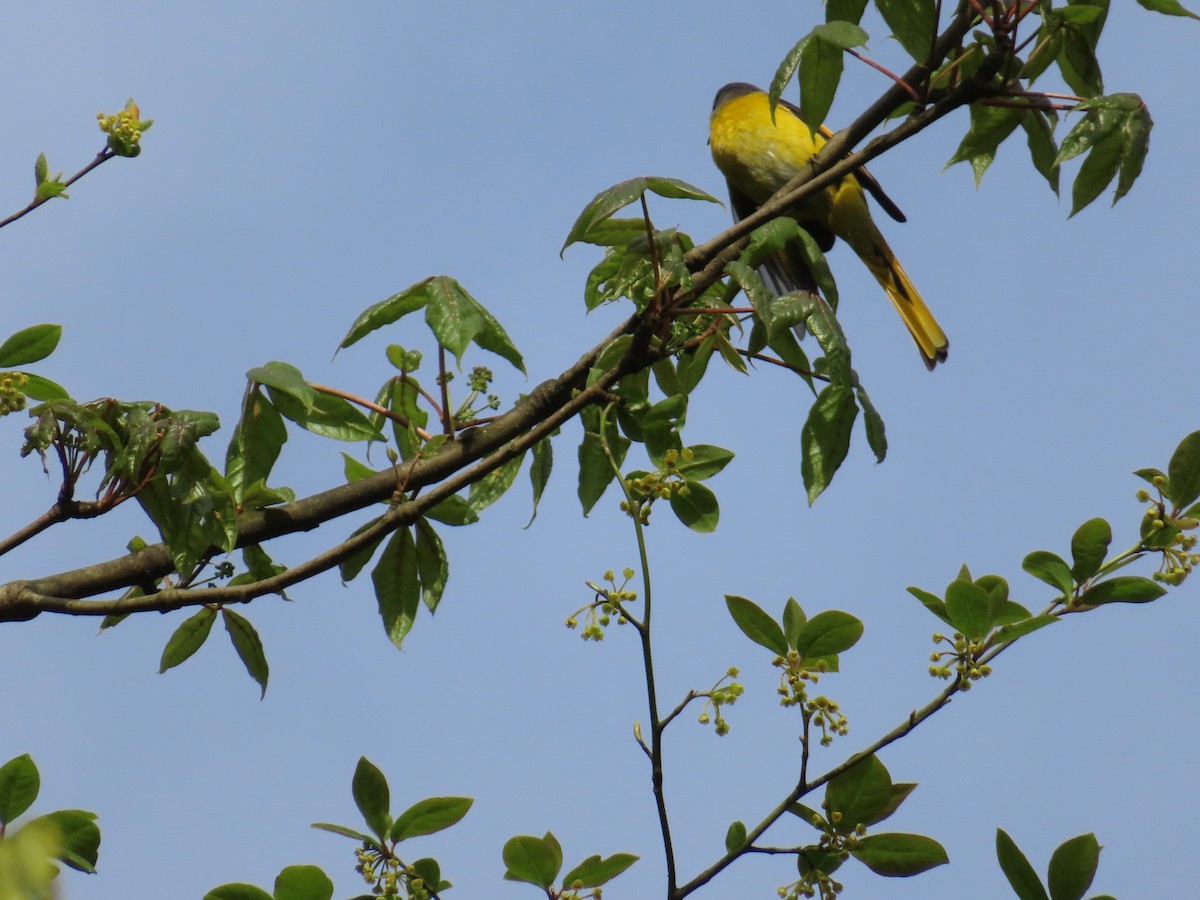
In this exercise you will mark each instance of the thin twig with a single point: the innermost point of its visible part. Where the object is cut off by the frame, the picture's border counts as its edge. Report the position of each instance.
(101, 157)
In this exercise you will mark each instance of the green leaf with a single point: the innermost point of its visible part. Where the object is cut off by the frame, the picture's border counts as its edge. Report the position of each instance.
(283, 378)
(29, 345)
(828, 633)
(594, 871)
(933, 603)
(385, 312)
(237, 891)
(541, 463)
(1183, 472)
(493, 338)
(845, 10)
(1089, 546)
(899, 855)
(735, 837)
(1073, 866)
(1050, 568)
(969, 608)
(756, 624)
(1039, 137)
(1168, 8)
(248, 646)
(825, 437)
(794, 621)
(451, 314)
(19, 786)
(256, 444)
(349, 567)
(346, 832)
(328, 416)
(1077, 52)
(1122, 589)
(397, 586)
(821, 67)
(661, 426)
(187, 638)
(303, 883)
(617, 197)
(79, 837)
(1020, 874)
(42, 389)
(706, 461)
(433, 568)
(695, 506)
(492, 486)
(596, 472)
(532, 860)
(454, 511)
(1006, 634)
(872, 423)
(430, 815)
(372, 797)
(913, 24)
(990, 126)
(862, 794)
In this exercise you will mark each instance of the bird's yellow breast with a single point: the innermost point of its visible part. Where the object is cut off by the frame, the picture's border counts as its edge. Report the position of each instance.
(759, 156)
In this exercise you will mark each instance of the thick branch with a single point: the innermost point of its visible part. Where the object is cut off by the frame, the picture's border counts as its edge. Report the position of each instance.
(547, 406)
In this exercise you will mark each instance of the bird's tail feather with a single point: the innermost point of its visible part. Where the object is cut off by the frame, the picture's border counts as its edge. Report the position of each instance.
(921, 324)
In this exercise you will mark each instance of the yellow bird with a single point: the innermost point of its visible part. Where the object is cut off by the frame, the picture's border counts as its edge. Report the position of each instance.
(758, 156)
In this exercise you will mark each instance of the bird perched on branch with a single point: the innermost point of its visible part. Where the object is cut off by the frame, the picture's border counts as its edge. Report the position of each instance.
(758, 156)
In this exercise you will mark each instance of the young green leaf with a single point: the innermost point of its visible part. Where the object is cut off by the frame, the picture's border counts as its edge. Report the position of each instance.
(595, 871)
(29, 345)
(187, 638)
(735, 837)
(794, 621)
(303, 883)
(933, 603)
(1050, 568)
(1122, 589)
(757, 624)
(532, 860)
(19, 786)
(372, 797)
(1169, 8)
(1089, 546)
(430, 815)
(237, 891)
(862, 795)
(1183, 472)
(1020, 874)
(1072, 867)
(617, 197)
(695, 506)
(248, 646)
(79, 837)
(969, 608)
(828, 633)
(899, 855)
(705, 461)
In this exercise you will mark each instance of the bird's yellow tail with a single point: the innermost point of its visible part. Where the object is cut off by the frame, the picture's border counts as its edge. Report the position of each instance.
(921, 324)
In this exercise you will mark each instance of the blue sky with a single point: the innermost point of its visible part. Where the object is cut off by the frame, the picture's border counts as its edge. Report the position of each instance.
(307, 161)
